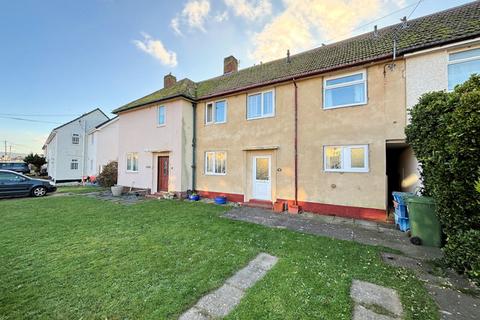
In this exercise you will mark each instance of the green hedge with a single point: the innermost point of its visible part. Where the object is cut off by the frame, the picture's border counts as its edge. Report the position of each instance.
(445, 136)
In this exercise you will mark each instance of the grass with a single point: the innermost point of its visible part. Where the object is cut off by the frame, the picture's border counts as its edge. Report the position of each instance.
(79, 189)
(74, 257)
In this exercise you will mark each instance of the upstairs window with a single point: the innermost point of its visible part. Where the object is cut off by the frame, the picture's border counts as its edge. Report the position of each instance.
(261, 105)
(74, 164)
(345, 91)
(216, 163)
(346, 158)
(75, 138)
(216, 112)
(132, 162)
(161, 116)
(461, 65)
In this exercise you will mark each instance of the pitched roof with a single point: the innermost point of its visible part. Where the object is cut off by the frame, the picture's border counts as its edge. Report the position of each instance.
(184, 88)
(452, 25)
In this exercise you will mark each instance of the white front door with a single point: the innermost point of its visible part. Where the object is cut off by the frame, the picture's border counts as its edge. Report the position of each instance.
(262, 180)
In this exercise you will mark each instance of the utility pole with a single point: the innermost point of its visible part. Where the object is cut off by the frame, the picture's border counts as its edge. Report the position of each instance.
(5, 153)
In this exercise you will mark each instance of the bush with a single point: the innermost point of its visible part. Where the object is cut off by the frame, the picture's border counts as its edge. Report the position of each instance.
(109, 175)
(462, 253)
(36, 160)
(445, 136)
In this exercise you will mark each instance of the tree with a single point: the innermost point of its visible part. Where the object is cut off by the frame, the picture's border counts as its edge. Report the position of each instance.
(36, 160)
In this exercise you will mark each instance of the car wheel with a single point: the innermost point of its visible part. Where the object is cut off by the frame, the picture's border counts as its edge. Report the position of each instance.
(39, 191)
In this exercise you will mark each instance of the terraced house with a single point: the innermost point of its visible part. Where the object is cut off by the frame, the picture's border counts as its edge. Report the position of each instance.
(323, 129)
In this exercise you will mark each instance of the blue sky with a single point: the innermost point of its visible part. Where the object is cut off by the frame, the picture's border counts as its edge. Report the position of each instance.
(62, 58)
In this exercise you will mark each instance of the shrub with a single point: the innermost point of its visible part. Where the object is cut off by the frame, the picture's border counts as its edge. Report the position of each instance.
(445, 136)
(36, 160)
(109, 175)
(462, 253)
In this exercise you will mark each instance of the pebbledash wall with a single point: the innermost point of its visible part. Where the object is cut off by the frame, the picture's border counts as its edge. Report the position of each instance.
(140, 133)
(361, 195)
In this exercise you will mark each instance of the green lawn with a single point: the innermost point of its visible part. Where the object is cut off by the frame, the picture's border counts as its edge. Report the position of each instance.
(79, 189)
(74, 257)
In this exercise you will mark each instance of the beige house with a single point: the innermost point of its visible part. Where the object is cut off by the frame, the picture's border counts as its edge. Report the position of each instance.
(323, 129)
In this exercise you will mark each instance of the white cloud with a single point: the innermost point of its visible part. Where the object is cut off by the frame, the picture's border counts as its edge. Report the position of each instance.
(194, 14)
(250, 9)
(304, 22)
(221, 16)
(175, 24)
(156, 49)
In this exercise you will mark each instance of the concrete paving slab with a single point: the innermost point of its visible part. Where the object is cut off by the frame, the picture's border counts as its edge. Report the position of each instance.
(246, 277)
(194, 314)
(220, 302)
(264, 261)
(362, 313)
(367, 293)
(454, 304)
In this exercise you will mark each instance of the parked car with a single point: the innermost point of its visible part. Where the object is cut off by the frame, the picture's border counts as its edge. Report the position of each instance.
(14, 184)
(21, 167)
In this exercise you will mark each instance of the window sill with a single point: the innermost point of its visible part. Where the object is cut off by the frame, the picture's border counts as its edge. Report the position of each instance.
(345, 106)
(161, 125)
(347, 171)
(128, 171)
(262, 117)
(215, 174)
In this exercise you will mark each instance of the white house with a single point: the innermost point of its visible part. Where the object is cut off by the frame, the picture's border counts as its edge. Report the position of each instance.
(65, 148)
(102, 146)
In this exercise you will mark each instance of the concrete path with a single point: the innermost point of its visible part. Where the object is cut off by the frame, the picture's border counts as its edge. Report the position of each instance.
(222, 301)
(366, 232)
(449, 292)
(375, 302)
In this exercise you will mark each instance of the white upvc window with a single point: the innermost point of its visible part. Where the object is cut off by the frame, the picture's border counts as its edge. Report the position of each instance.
(261, 105)
(132, 162)
(161, 115)
(216, 112)
(352, 158)
(74, 164)
(461, 65)
(75, 138)
(215, 163)
(345, 91)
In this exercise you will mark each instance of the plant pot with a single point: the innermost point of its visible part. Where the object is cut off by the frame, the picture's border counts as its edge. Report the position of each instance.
(221, 200)
(117, 190)
(194, 197)
(293, 209)
(278, 206)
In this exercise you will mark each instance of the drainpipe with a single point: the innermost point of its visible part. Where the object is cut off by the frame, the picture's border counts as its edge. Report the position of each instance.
(194, 144)
(296, 141)
(83, 148)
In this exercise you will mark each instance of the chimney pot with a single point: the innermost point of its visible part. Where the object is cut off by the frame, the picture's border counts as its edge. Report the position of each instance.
(169, 80)
(230, 64)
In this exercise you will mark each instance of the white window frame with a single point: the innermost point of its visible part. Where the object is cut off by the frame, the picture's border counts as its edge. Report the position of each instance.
(132, 155)
(449, 62)
(207, 173)
(74, 162)
(364, 81)
(263, 115)
(75, 137)
(214, 105)
(164, 116)
(346, 158)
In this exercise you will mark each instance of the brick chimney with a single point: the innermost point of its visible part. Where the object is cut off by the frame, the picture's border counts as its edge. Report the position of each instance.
(169, 80)
(230, 64)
